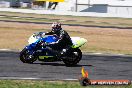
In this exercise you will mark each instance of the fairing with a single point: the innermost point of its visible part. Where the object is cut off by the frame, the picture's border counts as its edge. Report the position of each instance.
(77, 41)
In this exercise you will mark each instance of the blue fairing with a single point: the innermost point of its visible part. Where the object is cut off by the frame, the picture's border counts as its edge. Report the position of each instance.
(48, 39)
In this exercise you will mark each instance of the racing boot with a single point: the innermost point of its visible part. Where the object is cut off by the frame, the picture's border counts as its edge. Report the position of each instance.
(65, 51)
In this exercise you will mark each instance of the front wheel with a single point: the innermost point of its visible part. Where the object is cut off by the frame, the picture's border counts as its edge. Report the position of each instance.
(73, 57)
(25, 57)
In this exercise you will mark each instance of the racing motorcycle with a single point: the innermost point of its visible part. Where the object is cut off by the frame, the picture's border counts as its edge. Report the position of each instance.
(37, 50)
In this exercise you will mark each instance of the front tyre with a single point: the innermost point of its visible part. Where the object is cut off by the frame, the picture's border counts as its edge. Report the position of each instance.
(73, 57)
(25, 57)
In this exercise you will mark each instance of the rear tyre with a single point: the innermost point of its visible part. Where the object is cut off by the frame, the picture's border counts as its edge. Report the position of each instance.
(25, 57)
(72, 57)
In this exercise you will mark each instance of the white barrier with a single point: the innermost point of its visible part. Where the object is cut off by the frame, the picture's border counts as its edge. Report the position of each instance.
(4, 4)
(65, 13)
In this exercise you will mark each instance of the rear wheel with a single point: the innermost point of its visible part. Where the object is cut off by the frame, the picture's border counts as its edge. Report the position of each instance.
(73, 57)
(25, 57)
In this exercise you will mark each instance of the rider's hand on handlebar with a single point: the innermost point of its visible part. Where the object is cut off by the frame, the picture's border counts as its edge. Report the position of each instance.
(43, 34)
(46, 44)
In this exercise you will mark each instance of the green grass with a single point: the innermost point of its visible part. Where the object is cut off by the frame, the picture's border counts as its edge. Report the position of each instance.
(91, 21)
(49, 84)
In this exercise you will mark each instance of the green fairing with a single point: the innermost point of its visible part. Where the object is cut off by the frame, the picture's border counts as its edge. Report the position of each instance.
(43, 57)
(79, 43)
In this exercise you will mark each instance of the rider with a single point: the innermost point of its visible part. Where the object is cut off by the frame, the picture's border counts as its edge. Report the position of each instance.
(64, 39)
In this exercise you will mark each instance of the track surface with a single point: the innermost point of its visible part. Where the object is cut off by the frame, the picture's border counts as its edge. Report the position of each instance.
(98, 66)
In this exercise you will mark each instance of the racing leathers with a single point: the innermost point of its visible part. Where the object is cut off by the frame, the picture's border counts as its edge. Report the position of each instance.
(64, 41)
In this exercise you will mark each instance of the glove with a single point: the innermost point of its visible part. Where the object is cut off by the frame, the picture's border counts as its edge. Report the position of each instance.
(43, 34)
(53, 43)
(46, 43)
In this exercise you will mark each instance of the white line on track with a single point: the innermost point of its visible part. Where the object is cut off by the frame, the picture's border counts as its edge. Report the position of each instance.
(97, 53)
(5, 50)
(32, 78)
(83, 53)
(13, 50)
(70, 79)
(19, 78)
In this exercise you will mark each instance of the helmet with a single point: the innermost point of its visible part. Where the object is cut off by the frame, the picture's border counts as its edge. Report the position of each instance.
(56, 26)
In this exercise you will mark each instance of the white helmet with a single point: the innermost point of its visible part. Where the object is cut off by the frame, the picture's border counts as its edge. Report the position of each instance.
(56, 26)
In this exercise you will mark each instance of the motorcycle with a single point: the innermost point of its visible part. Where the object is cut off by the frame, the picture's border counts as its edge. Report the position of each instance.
(37, 50)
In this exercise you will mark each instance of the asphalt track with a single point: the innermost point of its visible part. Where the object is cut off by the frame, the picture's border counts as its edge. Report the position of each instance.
(98, 66)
